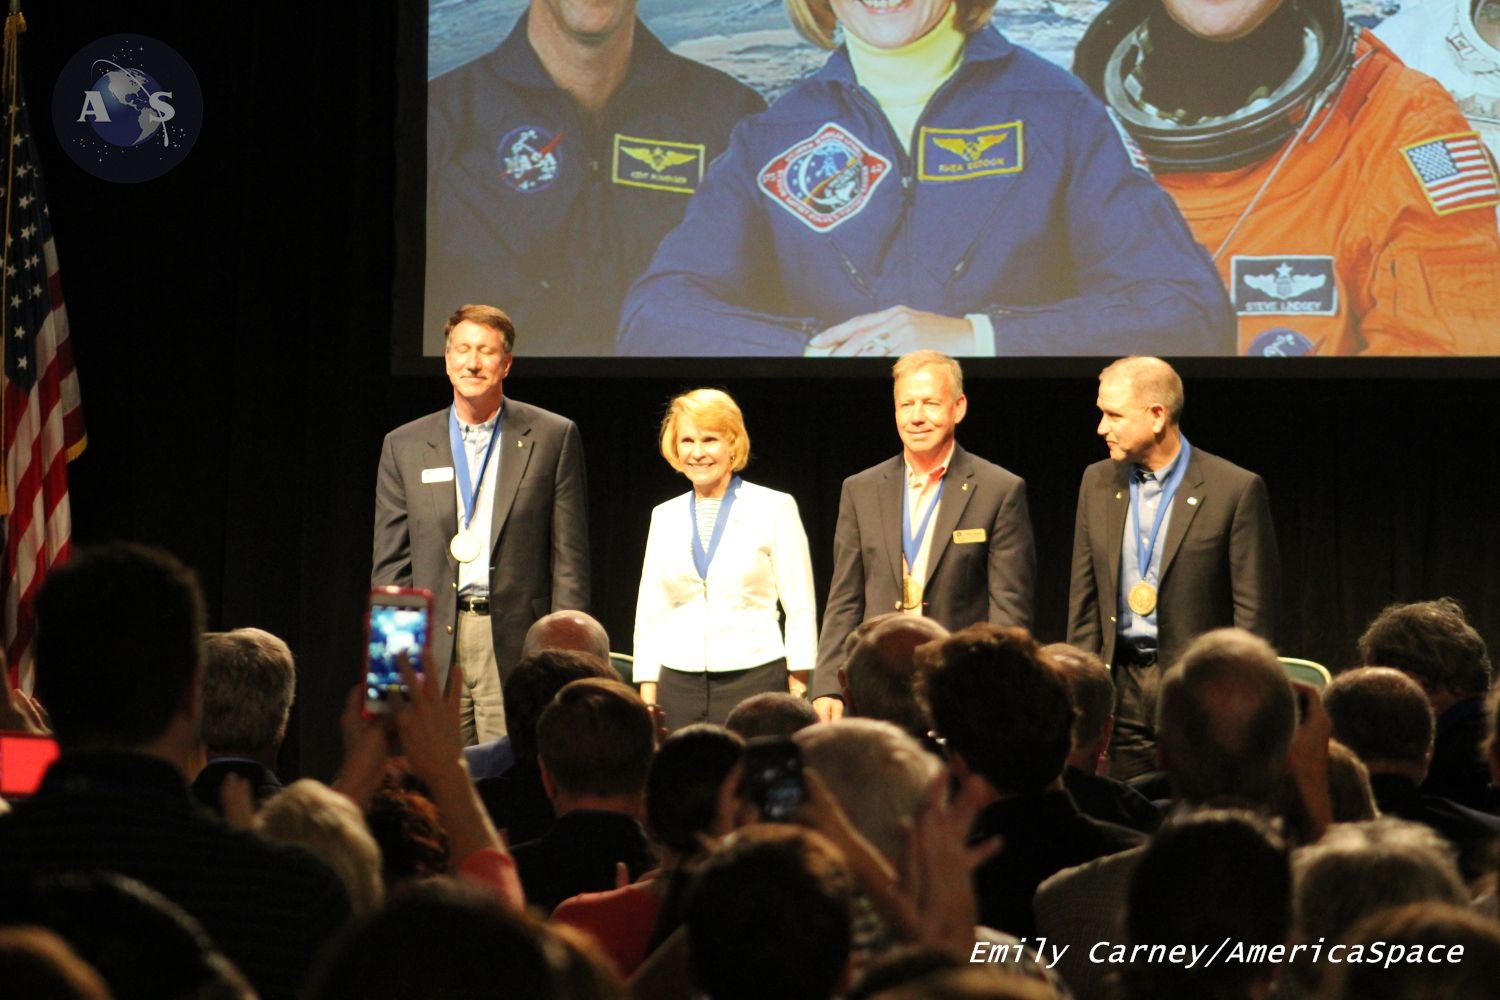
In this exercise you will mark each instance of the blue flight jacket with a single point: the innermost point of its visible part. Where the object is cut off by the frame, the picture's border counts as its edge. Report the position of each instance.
(1020, 198)
(549, 215)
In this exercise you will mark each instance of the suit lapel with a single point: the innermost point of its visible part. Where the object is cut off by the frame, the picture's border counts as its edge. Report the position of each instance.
(892, 496)
(961, 486)
(1184, 507)
(1117, 500)
(514, 452)
(443, 496)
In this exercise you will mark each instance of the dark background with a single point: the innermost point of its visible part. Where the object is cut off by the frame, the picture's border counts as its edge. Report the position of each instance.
(232, 326)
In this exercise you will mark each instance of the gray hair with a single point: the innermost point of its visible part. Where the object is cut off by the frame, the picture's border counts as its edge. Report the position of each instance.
(312, 816)
(878, 773)
(1152, 381)
(249, 681)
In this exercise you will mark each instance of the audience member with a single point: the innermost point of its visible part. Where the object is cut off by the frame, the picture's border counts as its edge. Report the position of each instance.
(37, 964)
(1006, 715)
(122, 689)
(413, 844)
(1434, 643)
(878, 678)
(1245, 862)
(1227, 735)
(594, 745)
(249, 681)
(1469, 944)
(142, 945)
(1358, 869)
(768, 916)
(1086, 776)
(330, 827)
(577, 631)
(1384, 716)
(516, 800)
(444, 940)
(770, 713)
(691, 802)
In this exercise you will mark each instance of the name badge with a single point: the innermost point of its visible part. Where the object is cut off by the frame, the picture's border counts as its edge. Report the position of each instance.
(968, 535)
(443, 475)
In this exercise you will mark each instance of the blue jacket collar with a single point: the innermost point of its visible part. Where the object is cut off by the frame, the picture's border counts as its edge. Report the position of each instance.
(516, 61)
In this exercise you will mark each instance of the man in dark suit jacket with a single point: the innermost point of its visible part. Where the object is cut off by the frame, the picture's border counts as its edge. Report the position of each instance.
(934, 531)
(1209, 560)
(514, 546)
(122, 689)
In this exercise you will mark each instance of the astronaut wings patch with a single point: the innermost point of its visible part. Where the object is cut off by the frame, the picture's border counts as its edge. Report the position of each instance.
(826, 179)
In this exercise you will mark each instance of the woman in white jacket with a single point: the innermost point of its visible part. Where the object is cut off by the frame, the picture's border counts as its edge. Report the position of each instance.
(718, 561)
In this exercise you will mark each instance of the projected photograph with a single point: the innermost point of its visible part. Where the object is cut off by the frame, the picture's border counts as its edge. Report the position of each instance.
(1047, 178)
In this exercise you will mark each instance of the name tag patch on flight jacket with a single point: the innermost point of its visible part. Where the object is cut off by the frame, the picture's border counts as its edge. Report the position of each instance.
(658, 164)
(529, 158)
(958, 154)
(1291, 284)
(825, 179)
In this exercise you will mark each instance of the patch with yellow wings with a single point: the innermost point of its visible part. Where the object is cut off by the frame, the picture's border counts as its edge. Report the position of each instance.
(959, 154)
(659, 164)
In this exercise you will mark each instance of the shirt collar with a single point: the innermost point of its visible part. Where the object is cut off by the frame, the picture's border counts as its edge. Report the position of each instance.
(1160, 475)
(488, 425)
(921, 480)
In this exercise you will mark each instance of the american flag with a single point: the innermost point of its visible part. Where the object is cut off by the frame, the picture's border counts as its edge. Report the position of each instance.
(1455, 172)
(43, 419)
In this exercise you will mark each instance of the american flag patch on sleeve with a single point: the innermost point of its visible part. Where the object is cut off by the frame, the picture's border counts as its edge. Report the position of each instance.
(1455, 172)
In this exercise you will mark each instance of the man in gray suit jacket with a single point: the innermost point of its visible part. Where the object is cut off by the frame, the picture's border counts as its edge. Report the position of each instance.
(1199, 552)
(483, 503)
(934, 531)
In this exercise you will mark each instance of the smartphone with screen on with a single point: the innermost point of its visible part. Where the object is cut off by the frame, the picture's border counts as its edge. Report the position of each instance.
(773, 776)
(397, 620)
(24, 758)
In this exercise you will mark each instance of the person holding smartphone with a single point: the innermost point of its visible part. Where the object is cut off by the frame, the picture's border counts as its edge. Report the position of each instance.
(719, 559)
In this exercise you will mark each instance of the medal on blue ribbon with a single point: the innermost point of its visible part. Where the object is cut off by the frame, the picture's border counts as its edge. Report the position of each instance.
(1142, 596)
(703, 557)
(467, 546)
(911, 546)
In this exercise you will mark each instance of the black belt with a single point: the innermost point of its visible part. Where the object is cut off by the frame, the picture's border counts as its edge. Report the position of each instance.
(1127, 655)
(474, 605)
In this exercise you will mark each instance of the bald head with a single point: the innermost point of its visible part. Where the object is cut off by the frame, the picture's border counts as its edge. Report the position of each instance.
(877, 679)
(568, 630)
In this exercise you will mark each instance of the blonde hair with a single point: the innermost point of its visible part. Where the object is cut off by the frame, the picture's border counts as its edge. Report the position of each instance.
(815, 21)
(917, 360)
(711, 410)
(329, 826)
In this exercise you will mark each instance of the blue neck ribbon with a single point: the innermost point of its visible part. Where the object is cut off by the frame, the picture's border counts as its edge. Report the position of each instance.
(470, 492)
(911, 544)
(703, 557)
(1144, 549)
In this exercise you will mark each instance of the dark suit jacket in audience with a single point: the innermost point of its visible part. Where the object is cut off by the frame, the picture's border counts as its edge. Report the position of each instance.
(1042, 832)
(1458, 770)
(263, 781)
(1104, 798)
(517, 802)
(1474, 834)
(579, 854)
(268, 906)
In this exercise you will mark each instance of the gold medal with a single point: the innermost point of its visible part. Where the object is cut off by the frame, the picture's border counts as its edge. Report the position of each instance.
(911, 593)
(1142, 598)
(465, 546)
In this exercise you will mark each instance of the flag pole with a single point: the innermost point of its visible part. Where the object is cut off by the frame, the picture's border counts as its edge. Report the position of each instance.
(15, 23)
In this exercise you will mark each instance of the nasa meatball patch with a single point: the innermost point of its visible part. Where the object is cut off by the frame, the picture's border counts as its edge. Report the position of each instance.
(826, 179)
(1291, 285)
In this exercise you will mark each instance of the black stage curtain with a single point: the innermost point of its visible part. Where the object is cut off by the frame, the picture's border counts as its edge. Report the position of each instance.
(231, 328)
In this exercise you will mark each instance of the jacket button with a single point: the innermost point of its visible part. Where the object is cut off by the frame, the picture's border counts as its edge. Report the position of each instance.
(450, 629)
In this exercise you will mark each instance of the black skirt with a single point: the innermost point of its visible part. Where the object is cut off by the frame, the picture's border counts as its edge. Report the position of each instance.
(687, 697)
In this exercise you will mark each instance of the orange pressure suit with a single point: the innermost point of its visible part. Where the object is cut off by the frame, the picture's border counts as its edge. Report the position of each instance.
(1365, 241)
